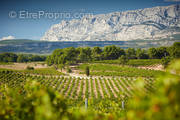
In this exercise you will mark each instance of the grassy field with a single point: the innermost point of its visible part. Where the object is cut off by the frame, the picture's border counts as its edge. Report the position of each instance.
(38, 71)
(6, 63)
(23, 66)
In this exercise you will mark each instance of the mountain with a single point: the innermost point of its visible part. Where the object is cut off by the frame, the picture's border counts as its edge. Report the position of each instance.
(146, 24)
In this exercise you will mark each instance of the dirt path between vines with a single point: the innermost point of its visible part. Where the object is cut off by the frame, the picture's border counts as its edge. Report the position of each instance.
(153, 67)
(113, 92)
(94, 85)
(78, 88)
(84, 88)
(66, 93)
(100, 88)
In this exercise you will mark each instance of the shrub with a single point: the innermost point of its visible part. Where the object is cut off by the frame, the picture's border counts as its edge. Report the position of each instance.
(69, 70)
(29, 68)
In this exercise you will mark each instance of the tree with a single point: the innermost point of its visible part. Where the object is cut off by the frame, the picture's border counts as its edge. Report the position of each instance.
(131, 53)
(87, 70)
(60, 56)
(96, 53)
(84, 54)
(141, 54)
(49, 60)
(158, 53)
(36, 58)
(175, 50)
(61, 59)
(112, 52)
(8, 57)
(70, 55)
(152, 52)
(123, 60)
(57, 56)
(22, 58)
(162, 52)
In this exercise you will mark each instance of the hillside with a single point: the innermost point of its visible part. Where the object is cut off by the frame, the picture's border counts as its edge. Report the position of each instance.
(46, 47)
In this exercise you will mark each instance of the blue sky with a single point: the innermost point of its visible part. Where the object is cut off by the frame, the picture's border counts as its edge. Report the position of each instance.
(34, 28)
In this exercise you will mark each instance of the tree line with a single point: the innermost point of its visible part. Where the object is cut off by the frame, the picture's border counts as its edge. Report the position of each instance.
(73, 55)
(12, 57)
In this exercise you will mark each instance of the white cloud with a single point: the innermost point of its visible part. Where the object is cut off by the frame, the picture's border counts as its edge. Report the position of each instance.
(7, 38)
(172, 0)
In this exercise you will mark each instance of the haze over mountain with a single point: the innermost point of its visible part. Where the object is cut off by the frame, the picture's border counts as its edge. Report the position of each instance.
(149, 23)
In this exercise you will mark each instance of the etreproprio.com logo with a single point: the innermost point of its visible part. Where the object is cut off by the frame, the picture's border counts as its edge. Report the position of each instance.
(23, 14)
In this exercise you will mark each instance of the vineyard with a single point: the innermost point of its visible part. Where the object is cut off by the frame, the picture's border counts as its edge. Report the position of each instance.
(79, 88)
(132, 62)
(98, 69)
(45, 95)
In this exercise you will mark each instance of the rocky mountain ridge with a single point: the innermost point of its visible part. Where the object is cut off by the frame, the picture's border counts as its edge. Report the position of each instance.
(149, 23)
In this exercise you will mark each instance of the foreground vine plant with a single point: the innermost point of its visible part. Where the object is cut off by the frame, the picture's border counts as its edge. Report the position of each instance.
(29, 99)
